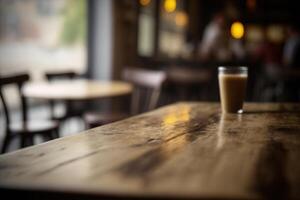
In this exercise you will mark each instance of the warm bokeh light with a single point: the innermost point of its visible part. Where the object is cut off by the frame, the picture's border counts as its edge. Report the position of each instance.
(170, 5)
(237, 30)
(254, 33)
(275, 33)
(145, 2)
(176, 116)
(181, 19)
(173, 120)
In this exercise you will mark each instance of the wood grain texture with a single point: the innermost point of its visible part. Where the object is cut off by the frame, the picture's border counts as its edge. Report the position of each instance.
(185, 150)
(76, 89)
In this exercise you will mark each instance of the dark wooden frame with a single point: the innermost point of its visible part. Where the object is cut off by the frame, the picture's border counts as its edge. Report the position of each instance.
(27, 135)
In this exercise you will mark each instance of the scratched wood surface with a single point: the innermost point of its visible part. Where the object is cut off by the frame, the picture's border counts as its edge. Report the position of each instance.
(185, 150)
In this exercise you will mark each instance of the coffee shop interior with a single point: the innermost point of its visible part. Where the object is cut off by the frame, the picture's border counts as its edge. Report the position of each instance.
(80, 64)
(149, 99)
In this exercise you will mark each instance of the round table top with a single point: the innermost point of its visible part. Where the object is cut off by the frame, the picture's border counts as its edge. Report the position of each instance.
(76, 89)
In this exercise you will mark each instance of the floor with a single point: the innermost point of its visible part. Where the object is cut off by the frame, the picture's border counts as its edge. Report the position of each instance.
(70, 127)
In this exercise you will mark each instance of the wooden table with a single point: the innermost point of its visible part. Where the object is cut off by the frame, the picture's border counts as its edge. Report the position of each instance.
(69, 90)
(182, 151)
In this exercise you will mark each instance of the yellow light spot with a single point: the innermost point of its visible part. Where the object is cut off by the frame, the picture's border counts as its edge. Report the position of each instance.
(181, 19)
(177, 116)
(174, 122)
(170, 5)
(145, 2)
(237, 30)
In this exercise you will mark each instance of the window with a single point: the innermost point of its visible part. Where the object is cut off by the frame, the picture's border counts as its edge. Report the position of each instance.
(172, 29)
(42, 35)
(146, 30)
(162, 29)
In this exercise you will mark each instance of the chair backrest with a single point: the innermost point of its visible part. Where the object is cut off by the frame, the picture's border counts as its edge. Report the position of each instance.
(147, 88)
(61, 75)
(19, 81)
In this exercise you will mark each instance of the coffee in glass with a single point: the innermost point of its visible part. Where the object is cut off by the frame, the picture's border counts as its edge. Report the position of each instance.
(232, 84)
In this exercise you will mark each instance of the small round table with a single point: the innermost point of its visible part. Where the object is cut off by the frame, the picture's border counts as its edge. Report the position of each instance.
(72, 91)
(69, 90)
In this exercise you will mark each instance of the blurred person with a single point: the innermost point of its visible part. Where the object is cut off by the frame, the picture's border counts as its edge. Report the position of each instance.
(216, 43)
(291, 61)
(213, 44)
(269, 54)
(291, 51)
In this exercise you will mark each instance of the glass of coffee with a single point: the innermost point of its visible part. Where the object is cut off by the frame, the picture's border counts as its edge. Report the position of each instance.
(232, 84)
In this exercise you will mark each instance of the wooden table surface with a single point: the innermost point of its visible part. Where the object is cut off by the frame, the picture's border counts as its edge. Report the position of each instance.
(76, 89)
(185, 150)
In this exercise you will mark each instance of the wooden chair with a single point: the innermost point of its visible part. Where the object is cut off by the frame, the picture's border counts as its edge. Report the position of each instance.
(147, 88)
(73, 109)
(145, 96)
(27, 129)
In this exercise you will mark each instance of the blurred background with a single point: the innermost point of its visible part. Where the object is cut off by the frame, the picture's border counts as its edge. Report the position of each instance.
(182, 42)
(40, 35)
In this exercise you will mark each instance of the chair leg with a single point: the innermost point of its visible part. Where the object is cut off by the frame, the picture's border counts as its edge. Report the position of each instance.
(51, 135)
(23, 141)
(30, 141)
(26, 141)
(55, 133)
(47, 136)
(5, 144)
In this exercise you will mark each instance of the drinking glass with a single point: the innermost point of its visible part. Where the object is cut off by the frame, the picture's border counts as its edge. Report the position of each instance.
(232, 85)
